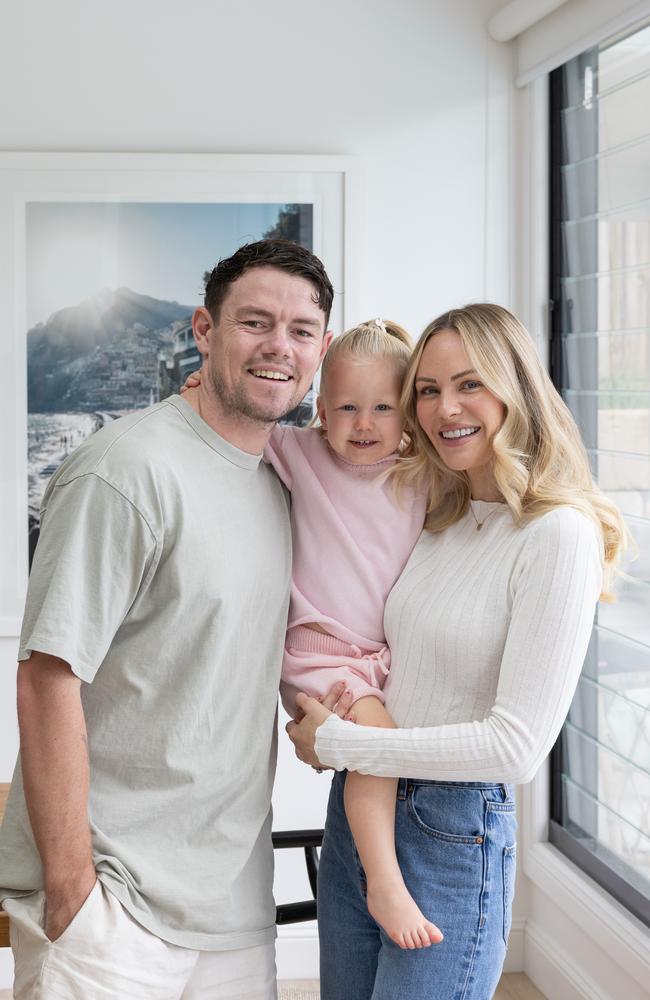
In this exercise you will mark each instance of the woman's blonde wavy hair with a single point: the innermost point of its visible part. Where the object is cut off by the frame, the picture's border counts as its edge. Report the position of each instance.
(539, 460)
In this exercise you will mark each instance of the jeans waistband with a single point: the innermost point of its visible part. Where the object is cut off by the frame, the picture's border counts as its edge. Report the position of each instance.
(405, 785)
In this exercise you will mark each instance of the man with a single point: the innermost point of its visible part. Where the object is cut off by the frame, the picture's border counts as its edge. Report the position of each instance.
(135, 855)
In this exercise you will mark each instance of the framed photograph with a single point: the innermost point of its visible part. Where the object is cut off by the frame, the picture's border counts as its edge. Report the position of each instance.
(102, 264)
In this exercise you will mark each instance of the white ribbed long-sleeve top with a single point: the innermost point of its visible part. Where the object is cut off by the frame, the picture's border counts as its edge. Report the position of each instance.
(488, 631)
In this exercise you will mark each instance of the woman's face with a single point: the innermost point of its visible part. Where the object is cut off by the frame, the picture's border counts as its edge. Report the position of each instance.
(456, 412)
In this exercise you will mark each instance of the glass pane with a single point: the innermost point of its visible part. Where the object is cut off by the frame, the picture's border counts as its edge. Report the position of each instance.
(618, 724)
(616, 125)
(638, 564)
(632, 502)
(624, 239)
(624, 60)
(579, 77)
(630, 797)
(616, 361)
(621, 239)
(580, 139)
(617, 64)
(622, 473)
(613, 421)
(580, 185)
(607, 828)
(623, 176)
(620, 664)
(629, 614)
(608, 301)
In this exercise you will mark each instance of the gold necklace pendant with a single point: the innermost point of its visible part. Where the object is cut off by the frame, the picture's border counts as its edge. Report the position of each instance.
(479, 524)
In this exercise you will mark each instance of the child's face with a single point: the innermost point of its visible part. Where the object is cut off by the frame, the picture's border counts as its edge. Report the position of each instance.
(359, 409)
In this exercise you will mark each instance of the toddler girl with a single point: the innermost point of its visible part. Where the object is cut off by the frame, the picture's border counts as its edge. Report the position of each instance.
(351, 540)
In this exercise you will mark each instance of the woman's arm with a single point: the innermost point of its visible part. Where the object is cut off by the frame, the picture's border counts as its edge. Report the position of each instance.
(555, 588)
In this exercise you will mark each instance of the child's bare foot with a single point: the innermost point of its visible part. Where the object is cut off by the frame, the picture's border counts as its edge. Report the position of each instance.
(393, 907)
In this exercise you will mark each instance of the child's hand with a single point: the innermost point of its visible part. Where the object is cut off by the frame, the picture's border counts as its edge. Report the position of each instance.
(303, 734)
(338, 699)
(192, 381)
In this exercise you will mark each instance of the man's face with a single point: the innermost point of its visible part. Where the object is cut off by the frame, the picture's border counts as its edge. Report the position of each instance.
(266, 345)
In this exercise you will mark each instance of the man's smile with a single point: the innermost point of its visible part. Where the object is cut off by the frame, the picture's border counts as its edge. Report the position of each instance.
(268, 373)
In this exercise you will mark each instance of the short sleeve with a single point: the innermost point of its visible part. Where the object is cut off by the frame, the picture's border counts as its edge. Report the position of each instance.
(95, 553)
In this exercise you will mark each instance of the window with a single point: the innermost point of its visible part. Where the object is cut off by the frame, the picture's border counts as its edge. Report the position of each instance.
(600, 360)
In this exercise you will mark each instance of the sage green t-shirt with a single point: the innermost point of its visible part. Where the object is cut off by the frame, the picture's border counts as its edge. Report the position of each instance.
(162, 577)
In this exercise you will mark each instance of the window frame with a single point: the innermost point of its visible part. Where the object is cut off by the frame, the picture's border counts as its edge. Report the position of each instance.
(592, 861)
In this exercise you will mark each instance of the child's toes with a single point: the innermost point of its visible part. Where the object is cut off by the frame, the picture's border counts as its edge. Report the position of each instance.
(435, 935)
(423, 936)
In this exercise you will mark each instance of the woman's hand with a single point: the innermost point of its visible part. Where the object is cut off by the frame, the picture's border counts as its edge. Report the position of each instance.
(314, 713)
(192, 381)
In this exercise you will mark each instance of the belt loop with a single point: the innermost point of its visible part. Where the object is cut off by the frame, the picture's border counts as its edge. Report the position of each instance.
(401, 789)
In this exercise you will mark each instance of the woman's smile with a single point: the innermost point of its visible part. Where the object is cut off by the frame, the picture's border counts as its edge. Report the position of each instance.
(453, 437)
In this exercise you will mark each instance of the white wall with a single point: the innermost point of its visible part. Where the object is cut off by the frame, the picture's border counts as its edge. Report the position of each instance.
(402, 86)
(414, 90)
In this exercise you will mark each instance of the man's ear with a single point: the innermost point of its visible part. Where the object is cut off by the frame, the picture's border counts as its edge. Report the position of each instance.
(327, 340)
(320, 410)
(202, 325)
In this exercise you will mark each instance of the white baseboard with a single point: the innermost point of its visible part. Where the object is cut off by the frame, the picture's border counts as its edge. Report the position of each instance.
(554, 971)
(296, 951)
(6, 968)
(516, 947)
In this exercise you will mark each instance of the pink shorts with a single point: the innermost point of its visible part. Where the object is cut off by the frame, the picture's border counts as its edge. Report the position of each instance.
(313, 662)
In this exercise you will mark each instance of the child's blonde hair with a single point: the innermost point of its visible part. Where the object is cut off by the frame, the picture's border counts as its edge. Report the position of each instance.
(375, 338)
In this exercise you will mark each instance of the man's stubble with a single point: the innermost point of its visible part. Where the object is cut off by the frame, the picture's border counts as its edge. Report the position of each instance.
(236, 403)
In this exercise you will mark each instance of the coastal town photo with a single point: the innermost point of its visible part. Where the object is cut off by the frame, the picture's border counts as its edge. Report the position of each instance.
(111, 288)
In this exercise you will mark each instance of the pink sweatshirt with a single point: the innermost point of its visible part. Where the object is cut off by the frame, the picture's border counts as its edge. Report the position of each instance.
(351, 536)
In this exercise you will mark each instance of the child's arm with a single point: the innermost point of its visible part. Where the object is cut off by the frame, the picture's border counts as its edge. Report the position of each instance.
(369, 711)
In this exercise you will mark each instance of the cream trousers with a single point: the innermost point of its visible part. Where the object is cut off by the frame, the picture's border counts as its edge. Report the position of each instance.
(106, 955)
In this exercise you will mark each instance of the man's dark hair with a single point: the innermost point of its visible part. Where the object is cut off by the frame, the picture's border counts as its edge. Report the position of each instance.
(283, 254)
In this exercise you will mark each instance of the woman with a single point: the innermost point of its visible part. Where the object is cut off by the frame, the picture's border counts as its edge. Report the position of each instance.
(488, 627)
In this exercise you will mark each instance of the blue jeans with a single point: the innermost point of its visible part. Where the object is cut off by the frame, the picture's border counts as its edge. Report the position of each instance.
(456, 849)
